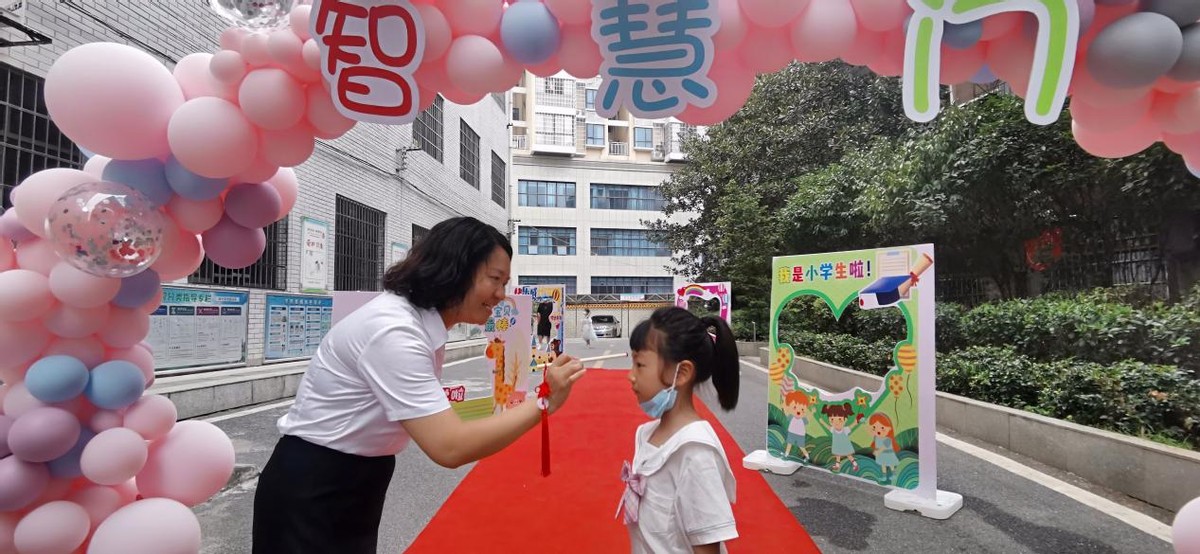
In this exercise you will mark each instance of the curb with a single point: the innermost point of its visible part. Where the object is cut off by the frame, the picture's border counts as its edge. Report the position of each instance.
(242, 473)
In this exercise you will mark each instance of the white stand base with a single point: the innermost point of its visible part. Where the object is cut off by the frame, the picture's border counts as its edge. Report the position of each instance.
(761, 460)
(946, 505)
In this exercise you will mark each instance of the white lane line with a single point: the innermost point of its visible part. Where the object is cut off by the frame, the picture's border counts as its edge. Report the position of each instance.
(249, 411)
(460, 362)
(1129, 516)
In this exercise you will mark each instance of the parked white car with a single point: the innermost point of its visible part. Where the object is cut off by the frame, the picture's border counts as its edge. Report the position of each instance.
(606, 326)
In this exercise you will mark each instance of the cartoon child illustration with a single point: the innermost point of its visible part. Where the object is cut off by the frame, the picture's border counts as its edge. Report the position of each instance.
(795, 405)
(842, 448)
(885, 444)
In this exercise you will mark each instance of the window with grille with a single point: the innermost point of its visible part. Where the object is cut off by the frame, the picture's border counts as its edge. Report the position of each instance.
(590, 99)
(545, 194)
(626, 197)
(633, 285)
(427, 129)
(358, 246)
(626, 242)
(468, 152)
(555, 129)
(419, 234)
(546, 241)
(269, 272)
(532, 280)
(498, 180)
(643, 137)
(30, 142)
(595, 134)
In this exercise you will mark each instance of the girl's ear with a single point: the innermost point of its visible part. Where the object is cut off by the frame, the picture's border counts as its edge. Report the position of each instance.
(687, 372)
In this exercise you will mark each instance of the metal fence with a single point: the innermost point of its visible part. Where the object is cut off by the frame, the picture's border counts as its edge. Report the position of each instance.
(30, 142)
(358, 246)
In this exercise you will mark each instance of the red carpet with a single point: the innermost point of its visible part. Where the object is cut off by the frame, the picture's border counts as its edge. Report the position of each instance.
(505, 505)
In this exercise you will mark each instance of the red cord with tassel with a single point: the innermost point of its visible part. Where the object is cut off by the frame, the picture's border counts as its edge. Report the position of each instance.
(543, 393)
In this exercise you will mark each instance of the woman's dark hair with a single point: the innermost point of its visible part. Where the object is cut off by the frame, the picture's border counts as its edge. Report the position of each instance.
(678, 335)
(440, 270)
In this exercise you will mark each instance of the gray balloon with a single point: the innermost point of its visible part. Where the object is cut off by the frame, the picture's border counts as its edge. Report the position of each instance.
(1135, 50)
(1188, 66)
(1182, 12)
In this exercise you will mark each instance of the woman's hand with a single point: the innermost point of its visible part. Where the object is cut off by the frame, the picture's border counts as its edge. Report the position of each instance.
(561, 375)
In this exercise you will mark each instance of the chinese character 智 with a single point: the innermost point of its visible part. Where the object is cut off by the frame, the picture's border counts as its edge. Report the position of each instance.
(370, 50)
(656, 55)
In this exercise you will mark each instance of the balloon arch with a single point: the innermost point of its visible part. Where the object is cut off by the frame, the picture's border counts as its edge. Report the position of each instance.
(196, 161)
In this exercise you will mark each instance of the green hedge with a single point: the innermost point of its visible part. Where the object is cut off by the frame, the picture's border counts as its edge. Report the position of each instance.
(843, 350)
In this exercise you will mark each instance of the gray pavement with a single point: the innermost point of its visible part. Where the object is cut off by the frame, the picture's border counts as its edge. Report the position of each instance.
(1002, 512)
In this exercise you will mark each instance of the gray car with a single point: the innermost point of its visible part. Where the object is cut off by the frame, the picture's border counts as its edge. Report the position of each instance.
(606, 326)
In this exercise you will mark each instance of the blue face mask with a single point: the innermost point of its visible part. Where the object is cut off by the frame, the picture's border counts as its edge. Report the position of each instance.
(663, 401)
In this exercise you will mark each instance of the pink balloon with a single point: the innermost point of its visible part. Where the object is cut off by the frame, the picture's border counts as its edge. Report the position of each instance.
(228, 66)
(194, 77)
(212, 138)
(37, 255)
(98, 501)
(76, 323)
(437, 31)
(867, 47)
(474, 64)
(767, 50)
(8, 526)
(78, 289)
(473, 17)
(43, 434)
(253, 205)
(152, 417)
(772, 13)
(140, 357)
(114, 456)
(257, 173)
(548, 68)
(256, 50)
(580, 55)
(1010, 57)
(288, 187)
(8, 256)
(734, 83)
(56, 489)
(153, 525)
(285, 47)
(21, 342)
(1177, 113)
(881, 15)
(12, 229)
(958, 66)
(824, 31)
(104, 420)
(1085, 88)
(24, 295)
(55, 527)
(733, 26)
(19, 402)
(95, 166)
(189, 465)
(181, 255)
(88, 350)
(290, 147)
(570, 12)
(323, 115)
(152, 305)
(461, 98)
(432, 76)
(34, 196)
(21, 483)
(113, 99)
(272, 99)
(1116, 144)
(1105, 120)
(298, 20)
(890, 62)
(312, 55)
(231, 38)
(195, 216)
(233, 246)
(1001, 24)
(125, 328)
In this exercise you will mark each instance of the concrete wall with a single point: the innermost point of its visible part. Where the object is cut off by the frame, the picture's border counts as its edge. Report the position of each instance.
(1160, 475)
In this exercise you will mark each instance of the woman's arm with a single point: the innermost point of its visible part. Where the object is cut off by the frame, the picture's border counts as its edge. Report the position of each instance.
(451, 442)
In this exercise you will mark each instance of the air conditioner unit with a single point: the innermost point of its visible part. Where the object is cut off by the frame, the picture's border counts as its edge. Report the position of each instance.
(581, 115)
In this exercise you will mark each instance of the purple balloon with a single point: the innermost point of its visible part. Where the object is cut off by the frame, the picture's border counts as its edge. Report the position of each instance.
(232, 246)
(5, 425)
(67, 465)
(21, 483)
(12, 228)
(253, 205)
(137, 289)
(43, 434)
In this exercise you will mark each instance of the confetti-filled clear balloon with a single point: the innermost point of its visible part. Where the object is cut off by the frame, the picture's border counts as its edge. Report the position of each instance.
(106, 229)
(255, 15)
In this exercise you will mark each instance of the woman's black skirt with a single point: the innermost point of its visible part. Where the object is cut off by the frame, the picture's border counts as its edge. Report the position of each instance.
(313, 499)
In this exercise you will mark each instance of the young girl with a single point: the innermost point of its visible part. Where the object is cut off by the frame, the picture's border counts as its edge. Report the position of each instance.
(679, 488)
(839, 432)
(589, 334)
(885, 444)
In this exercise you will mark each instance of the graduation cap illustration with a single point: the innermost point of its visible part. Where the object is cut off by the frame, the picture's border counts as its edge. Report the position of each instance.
(891, 289)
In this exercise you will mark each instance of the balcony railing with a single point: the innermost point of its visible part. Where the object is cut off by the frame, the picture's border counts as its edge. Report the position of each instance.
(519, 142)
(554, 139)
(618, 148)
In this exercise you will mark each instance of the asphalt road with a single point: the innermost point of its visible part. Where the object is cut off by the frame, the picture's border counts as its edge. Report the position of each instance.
(1002, 512)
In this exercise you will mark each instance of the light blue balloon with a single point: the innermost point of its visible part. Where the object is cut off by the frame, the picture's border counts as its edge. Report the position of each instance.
(144, 176)
(190, 185)
(963, 36)
(137, 289)
(67, 466)
(984, 76)
(86, 153)
(115, 385)
(56, 379)
(529, 32)
(1195, 173)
